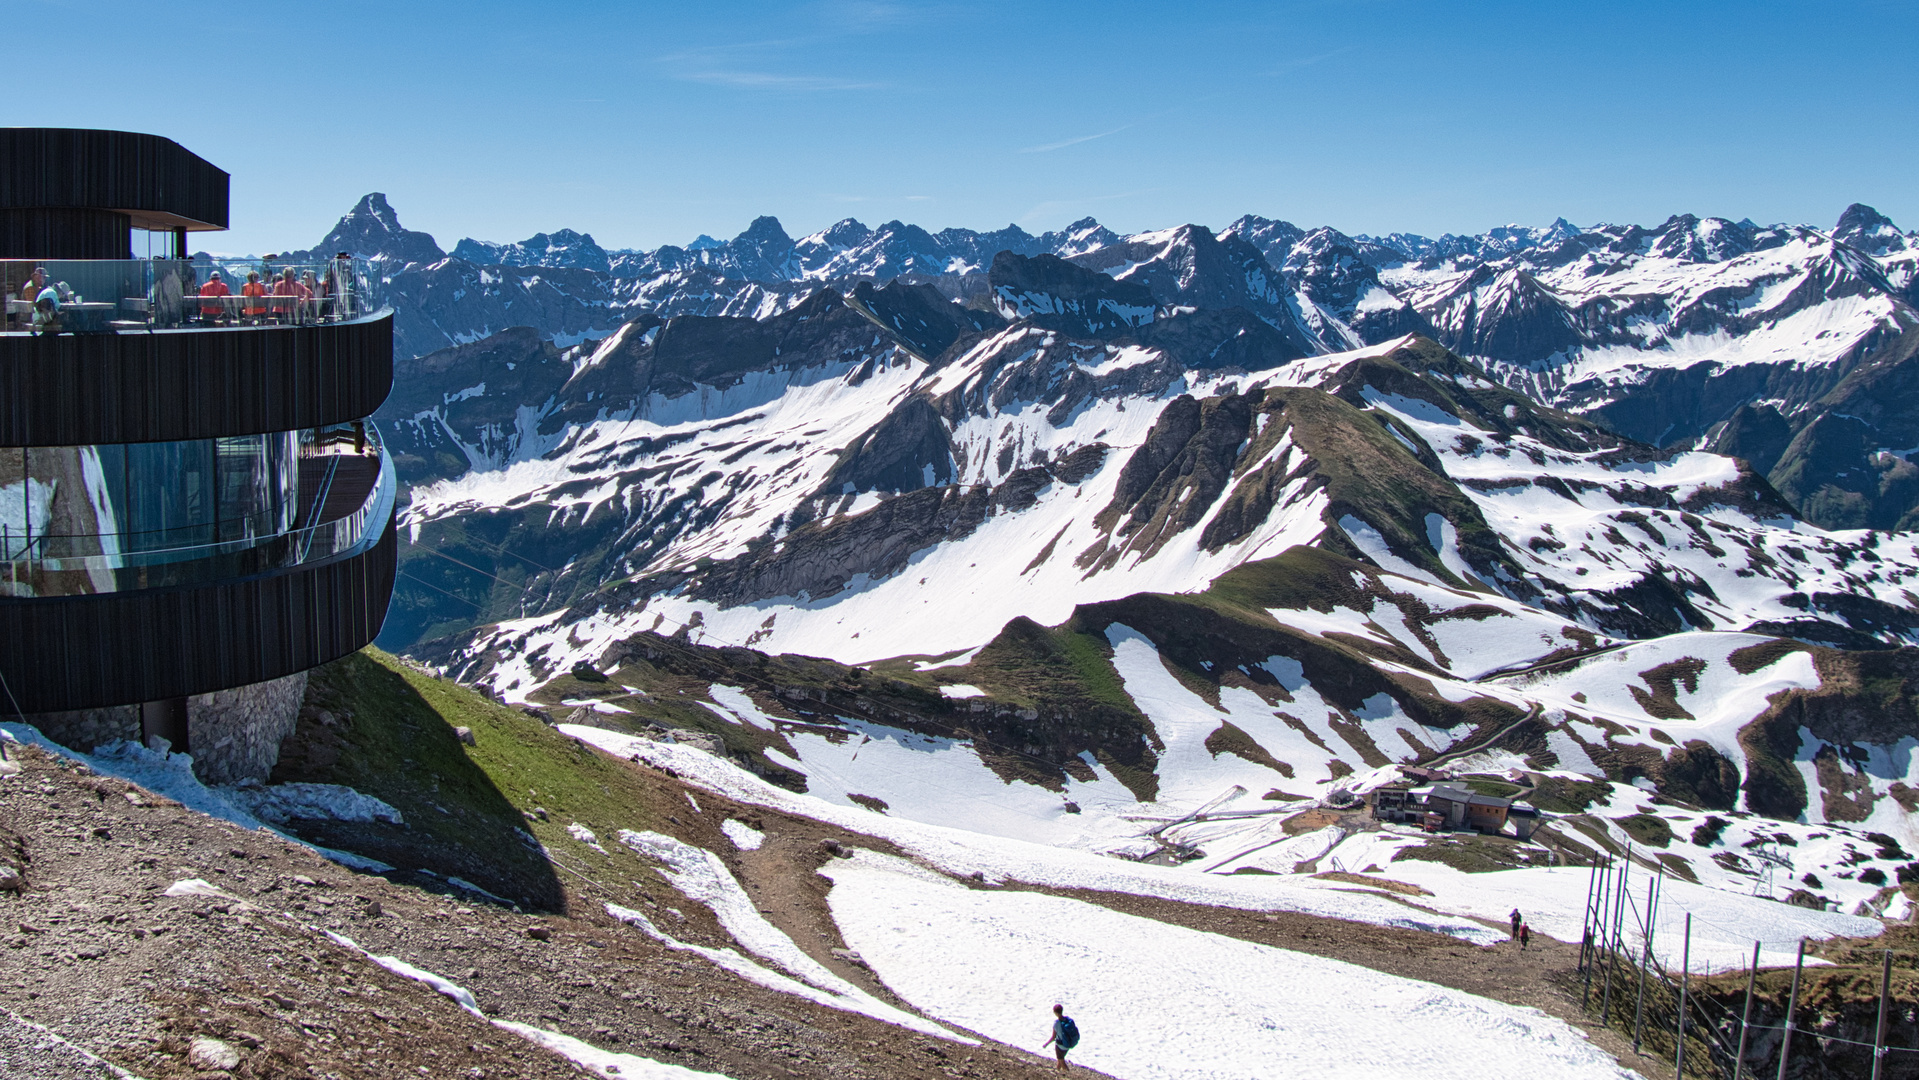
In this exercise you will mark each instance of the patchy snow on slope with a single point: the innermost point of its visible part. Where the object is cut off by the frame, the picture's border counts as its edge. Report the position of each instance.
(701, 877)
(962, 852)
(590, 1057)
(1160, 1002)
(281, 803)
(942, 781)
(585, 836)
(744, 836)
(605, 1063)
(1714, 698)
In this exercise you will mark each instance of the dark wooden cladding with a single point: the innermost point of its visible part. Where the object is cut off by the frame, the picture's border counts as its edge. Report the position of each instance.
(85, 652)
(156, 180)
(82, 389)
(59, 233)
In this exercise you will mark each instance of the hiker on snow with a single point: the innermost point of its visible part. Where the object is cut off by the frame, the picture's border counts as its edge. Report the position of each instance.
(1516, 921)
(1065, 1035)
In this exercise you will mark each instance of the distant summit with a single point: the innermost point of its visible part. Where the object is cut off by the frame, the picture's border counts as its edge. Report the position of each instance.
(372, 230)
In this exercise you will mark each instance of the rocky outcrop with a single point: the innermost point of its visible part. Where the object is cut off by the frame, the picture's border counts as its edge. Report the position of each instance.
(372, 230)
(562, 248)
(1073, 300)
(909, 449)
(919, 316)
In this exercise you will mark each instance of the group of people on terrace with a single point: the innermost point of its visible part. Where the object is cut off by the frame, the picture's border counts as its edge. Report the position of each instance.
(173, 296)
(284, 300)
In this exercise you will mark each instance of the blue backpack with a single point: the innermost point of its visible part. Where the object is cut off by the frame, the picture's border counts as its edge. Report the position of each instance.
(1068, 1033)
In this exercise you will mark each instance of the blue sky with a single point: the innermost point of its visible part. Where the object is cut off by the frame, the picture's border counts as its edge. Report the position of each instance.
(647, 123)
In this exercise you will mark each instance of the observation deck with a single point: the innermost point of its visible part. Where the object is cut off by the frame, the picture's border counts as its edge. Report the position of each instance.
(138, 355)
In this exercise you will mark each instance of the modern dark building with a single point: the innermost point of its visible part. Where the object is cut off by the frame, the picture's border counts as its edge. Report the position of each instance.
(194, 510)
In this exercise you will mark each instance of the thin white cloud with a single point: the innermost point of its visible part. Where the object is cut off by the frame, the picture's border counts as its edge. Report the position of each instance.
(770, 80)
(1048, 147)
(1307, 61)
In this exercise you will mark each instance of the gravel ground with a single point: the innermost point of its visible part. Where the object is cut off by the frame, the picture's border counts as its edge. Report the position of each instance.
(94, 950)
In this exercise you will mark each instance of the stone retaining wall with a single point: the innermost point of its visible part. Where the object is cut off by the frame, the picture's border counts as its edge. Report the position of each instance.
(234, 734)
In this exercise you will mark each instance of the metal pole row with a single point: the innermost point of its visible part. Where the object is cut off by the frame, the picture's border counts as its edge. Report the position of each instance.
(1745, 1017)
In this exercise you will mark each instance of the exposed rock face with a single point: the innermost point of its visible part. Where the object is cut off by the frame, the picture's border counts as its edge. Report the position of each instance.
(1504, 313)
(1757, 433)
(1190, 267)
(1210, 340)
(372, 230)
(1171, 481)
(459, 408)
(909, 449)
(563, 248)
(236, 734)
(920, 316)
(1850, 462)
(1870, 231)
(1340, 294)
(1073, 300)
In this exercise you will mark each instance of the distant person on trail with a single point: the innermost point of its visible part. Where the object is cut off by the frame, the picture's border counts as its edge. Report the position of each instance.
(1525, 936)
(1065, 1035)
(1516, 921)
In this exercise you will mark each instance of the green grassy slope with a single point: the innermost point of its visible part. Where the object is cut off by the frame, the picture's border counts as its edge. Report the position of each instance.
(386, 729)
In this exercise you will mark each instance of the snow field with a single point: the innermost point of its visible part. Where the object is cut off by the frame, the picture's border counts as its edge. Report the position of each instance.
(961, 852)
(1159, 1002)
(700, 876)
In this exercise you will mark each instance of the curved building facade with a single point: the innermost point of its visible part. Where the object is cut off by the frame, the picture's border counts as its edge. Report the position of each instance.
(194, 510)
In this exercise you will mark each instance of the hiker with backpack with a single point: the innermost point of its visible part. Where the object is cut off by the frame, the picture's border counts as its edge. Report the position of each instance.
(1525, 936)
(1516, 920)
(1065, 1035)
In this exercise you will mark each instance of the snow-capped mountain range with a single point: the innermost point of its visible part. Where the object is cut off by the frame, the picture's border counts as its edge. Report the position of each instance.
(1435, 492)
(1775, 343)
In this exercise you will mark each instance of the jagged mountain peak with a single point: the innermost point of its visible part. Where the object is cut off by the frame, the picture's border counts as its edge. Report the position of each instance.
(563, 247)
(765, 229)
(372, 230)
(1867, 229)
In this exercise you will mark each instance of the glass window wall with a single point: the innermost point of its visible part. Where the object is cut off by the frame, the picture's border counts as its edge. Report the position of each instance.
(88, 519)
(63, 501)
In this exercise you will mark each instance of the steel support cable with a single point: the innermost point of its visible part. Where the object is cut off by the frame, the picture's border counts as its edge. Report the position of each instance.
(443, 592)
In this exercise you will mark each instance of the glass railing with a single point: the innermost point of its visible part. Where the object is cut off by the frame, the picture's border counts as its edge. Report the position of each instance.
(338, 459)
(119, 296)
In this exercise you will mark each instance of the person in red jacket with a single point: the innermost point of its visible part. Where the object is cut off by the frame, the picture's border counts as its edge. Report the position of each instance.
(256, 310)
(214, 309)
(290, 287)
